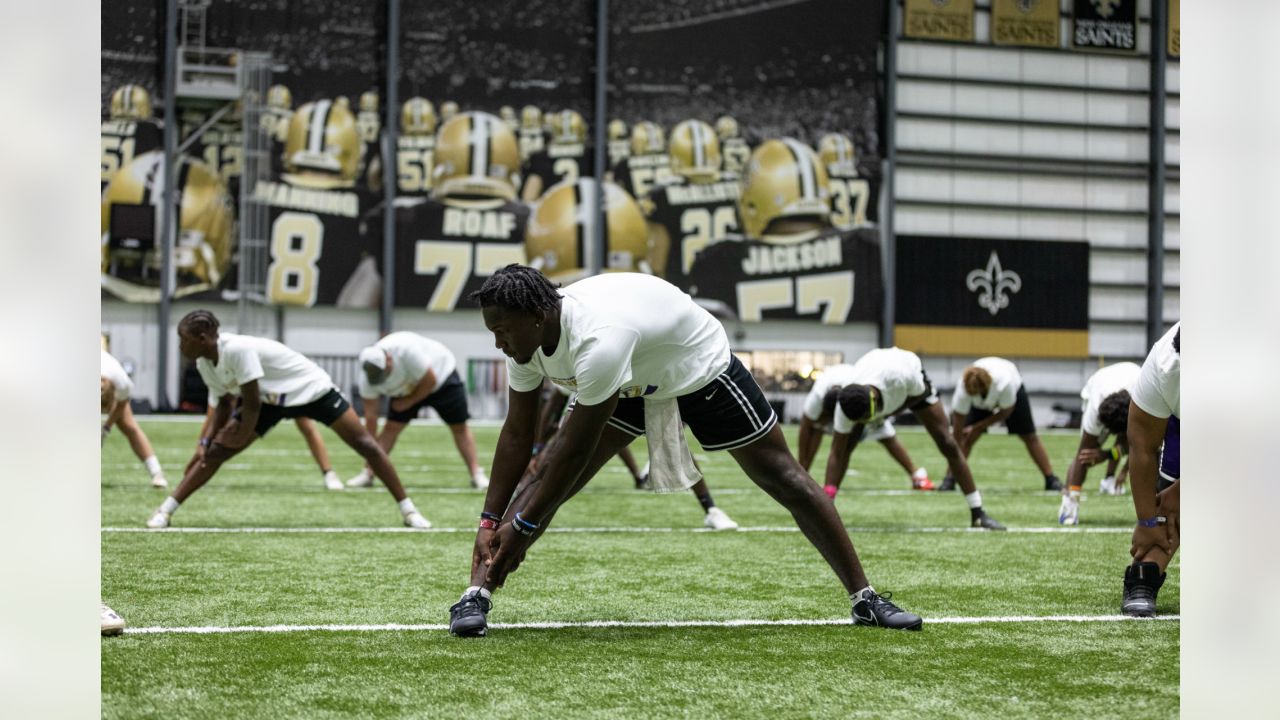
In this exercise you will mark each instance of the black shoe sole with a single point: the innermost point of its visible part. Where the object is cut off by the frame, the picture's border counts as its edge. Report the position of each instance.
(915, 627)
(468, 631)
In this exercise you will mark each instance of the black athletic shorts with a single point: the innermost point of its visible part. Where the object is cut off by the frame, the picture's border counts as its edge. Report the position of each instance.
(727, 413)
(449, 401)
(326, 409)
(1019, 423)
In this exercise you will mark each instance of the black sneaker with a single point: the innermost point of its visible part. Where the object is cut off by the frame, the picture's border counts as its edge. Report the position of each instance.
(980, 519)
(642, 482)
(1051, 482)
(948, 483)
(1141, 584)
(876, 610)
(469, 616)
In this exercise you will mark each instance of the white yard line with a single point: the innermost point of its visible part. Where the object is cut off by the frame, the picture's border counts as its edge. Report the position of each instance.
(599, 624)
(616, 530)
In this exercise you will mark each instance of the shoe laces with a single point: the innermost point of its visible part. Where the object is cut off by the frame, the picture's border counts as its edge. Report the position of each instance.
(475, 600)
(881, 602)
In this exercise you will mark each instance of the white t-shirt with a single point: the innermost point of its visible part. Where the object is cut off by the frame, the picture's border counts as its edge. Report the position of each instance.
(1005, 381)
(895, 372)
(411, 356)
(630, 334)
(285, 377)
(1102, 384)
(114, 372)
(1157, 389)
(832, 376)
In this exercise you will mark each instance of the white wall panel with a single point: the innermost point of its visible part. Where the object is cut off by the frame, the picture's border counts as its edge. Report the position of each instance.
(1113, 343)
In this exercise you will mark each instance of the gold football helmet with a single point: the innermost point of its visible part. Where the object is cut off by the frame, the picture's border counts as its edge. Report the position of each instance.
(617, 129)
(567, 128)
(783, 178)
(279, 98)
(508, 115)
(131, 102)
(205, 221)
(695, 151)
(647, 139)
(476, 156)
(530, 118)
(726, 127)
(565, 218)
(448, 110)
(417, 117)
(369, 101)
(323, 138)
(838, 154)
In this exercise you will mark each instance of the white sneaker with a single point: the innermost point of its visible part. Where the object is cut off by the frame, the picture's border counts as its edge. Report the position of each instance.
(158, 481)
(364, 479)
(332, 481)
(1109, 486)
(112, 623)
(159, 520)
(1069, 511)
(717, 519)
(480, 481)
(415, 520)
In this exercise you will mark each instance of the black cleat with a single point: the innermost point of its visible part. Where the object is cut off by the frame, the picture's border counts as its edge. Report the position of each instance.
(948, 483)
(1051, 482)
(877, 611)
(469, 617)
(1141, 584)
(642, 482)
(980, 519)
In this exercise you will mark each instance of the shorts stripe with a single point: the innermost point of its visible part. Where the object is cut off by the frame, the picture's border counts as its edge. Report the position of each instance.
(742, 400)
(624, 427)
(742, 442)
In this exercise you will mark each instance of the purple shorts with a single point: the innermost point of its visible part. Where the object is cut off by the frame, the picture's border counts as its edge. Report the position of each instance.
(1171, 454)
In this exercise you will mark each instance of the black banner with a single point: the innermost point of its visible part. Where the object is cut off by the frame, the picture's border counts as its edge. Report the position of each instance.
(1105, 25)
(983, 296)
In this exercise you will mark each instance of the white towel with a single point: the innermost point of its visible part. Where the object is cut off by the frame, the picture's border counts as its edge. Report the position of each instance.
(671, 465)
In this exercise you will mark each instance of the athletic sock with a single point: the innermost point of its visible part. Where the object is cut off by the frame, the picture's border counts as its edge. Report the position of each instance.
(487, 595)
(831, 491)
(856, 597)
(707, 502)
(407, 506)
(974, 499)
(169, 505)
(1074, 492)
(153, 465)
(919, 474)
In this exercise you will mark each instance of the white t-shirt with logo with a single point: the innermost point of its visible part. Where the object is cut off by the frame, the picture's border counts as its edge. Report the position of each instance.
(1101, 385)
(1158, 389)
(285, 377)
(114, 372)
(832, 376)
(411, 356)
(1005, 381)
(630, 334)
(895, 372)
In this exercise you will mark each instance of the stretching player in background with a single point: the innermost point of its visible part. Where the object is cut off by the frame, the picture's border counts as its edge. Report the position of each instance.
(415, 372)
(882, 384)
(255, 383)
(1155, 448)
(990, 391)
(1106, 412)
(116, 387)
(819, 412)
(315, 444)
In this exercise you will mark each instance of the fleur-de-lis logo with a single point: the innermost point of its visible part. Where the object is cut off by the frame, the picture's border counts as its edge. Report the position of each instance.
(1105, 7)
(994, 282)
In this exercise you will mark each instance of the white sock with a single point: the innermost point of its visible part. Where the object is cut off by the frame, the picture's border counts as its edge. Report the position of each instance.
(1074, 494)
(477, 589)
(407, 506)
(919, 474)
(479, 473)
(974, 499)
(169, 505)
(856, 597)
(153, 465)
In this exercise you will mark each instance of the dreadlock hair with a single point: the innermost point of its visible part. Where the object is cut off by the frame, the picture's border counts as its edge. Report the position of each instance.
(199, 322)
(1114, 412)
(520, 288)
(855, 401)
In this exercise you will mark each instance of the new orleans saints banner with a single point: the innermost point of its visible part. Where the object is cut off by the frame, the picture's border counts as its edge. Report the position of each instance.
(1175, 29)
(1032, 23)
(973, 296)
(1105, 25)
(939, 20)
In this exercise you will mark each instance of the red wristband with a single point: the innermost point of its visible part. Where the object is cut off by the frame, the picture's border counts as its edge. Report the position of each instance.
(487, 524)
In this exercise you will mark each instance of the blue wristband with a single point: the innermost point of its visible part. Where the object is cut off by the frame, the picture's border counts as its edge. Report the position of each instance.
(204, 442)
(522, 526)
(491, 516)
(1156, 521)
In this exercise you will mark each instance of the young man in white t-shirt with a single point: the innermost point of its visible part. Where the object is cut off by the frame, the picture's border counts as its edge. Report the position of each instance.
(883, 383)
(415, 372)
(1106, 413)
(1155, 454)
(630, 345)
(990, 391)
(116, 387)
(819, 413)
(255, 383)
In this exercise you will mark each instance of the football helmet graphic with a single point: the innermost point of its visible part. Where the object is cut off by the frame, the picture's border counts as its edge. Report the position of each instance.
(279, 98)
(567, 128)
(838, 154)
(508, 115)
(322, 138)
(530, 118)
(476, 156)
(448, 110)
(130, 245)
(418, 117)
(695, 151)
(131, 102)
(369, 101)
(726, 127)
(617, 129)
(783, 179)
(564, 220)
(647, 139)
